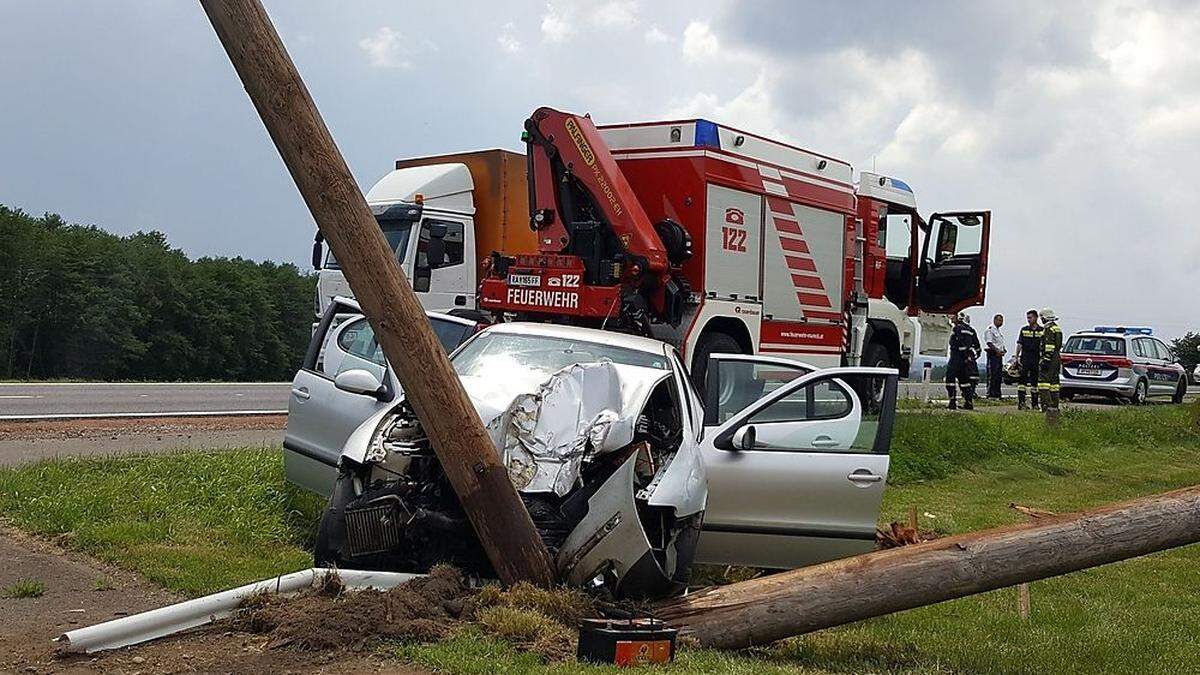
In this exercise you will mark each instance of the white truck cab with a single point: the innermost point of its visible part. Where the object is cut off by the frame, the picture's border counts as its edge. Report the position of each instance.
(427, 215)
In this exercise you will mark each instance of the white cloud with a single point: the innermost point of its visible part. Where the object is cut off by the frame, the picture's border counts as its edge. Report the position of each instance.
(385, 49)
(507, 40)
(556, 23)
(699, 42)
(655, 35)
(615, 14)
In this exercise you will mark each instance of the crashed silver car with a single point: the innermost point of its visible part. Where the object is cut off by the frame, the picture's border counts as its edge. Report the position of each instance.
(629, 476)
(593, 436)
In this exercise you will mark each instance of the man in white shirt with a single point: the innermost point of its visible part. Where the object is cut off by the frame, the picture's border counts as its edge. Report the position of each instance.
(994, 345)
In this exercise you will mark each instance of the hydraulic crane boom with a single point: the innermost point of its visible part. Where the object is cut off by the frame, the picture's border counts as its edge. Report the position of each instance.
(602, 258)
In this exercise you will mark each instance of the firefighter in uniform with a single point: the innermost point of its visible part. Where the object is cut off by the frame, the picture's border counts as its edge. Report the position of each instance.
(1029, 347)
(1051, 364)
(962, 371)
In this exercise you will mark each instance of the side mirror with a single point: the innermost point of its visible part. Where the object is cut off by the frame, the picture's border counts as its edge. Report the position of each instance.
(359, 381)
(318, 254)
(743, 438)
(435, 253)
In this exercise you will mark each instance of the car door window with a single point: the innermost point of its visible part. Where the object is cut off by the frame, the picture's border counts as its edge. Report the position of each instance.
(1164, 352)
(735, 383)
(358, 339)
(824, 400)
(828, 414)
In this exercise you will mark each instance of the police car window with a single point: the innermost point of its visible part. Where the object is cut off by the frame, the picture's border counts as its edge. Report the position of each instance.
(1139, 348)
(1100, 346)
(1163, 352)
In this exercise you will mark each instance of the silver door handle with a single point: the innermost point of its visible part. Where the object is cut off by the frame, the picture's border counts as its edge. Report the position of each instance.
(865, 477)
(301, 393)
(824, 442)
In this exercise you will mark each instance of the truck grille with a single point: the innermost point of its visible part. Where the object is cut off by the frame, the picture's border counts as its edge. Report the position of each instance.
(374, 529)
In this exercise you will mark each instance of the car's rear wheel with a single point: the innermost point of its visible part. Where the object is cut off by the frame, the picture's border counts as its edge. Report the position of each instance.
(1180, 391)
(1139, 393)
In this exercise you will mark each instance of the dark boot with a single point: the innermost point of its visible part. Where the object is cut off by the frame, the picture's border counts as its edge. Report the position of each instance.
(1036, 396)
(1051, 408)
(1020, 399)
(952, 393)
(968, 398)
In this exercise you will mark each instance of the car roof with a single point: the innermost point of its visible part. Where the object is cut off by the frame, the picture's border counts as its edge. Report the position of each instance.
(1092, 333)
(351, 302)
(635, 342)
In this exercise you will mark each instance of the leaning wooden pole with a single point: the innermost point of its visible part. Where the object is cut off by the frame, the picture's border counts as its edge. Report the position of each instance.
(791, 603)
(463, 447)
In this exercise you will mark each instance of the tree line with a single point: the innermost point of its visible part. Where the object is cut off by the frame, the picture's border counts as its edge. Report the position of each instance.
(84, 303)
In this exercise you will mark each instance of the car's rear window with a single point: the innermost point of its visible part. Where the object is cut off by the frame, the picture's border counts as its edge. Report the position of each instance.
(1100, 346)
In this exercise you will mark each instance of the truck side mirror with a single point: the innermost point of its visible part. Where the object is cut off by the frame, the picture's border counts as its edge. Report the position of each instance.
(435, 251)
(318, 253)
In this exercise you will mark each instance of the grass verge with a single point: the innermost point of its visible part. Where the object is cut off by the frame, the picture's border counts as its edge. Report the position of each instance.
(194, 522)
(200, 522)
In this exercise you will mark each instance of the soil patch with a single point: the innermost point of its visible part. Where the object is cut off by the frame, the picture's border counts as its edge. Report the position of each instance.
(80, 591)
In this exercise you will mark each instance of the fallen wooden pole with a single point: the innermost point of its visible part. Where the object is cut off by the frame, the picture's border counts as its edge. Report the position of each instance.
(791, 603)
(463, 447)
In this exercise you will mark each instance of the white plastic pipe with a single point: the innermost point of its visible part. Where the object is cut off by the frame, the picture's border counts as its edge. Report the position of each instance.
(156, 623)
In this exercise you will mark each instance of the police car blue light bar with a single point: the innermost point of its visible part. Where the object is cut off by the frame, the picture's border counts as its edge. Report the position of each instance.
(1126, 330)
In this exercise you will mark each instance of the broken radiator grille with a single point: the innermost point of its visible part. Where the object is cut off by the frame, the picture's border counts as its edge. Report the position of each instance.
(373, 529)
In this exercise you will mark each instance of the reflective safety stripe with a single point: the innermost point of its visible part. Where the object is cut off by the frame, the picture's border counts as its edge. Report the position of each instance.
(1049, 387)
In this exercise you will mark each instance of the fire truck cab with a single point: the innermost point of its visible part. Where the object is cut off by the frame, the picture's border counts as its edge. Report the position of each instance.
(792, 257)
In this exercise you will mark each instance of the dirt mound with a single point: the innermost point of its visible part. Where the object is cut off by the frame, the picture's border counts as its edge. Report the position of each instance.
(426, 608)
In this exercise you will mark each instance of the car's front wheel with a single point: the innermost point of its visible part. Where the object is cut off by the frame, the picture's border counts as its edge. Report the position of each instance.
(331, 532)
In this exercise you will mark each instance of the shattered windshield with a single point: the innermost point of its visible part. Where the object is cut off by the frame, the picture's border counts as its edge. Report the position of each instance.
(505, 355)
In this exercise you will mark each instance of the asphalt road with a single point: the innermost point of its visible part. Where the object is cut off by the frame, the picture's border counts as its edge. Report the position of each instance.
(137, 398)
(87, 399)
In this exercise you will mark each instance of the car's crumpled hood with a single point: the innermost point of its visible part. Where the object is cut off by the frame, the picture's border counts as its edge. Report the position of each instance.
(582, 411)
(540, 423)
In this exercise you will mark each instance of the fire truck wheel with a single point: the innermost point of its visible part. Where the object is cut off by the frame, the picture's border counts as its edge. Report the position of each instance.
(709, 344)
(876, 356)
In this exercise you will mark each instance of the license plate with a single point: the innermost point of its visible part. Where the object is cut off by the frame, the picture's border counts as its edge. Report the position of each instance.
(1090, 372)
(534, 280)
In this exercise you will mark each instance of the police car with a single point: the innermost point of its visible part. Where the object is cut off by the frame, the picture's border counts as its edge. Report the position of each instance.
(1127, 363)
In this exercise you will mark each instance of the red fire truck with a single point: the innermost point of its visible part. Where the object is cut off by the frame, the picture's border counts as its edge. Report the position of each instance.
(710, 238)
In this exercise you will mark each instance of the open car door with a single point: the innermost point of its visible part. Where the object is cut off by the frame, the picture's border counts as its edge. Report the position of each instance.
(952, 274)
(796, 477)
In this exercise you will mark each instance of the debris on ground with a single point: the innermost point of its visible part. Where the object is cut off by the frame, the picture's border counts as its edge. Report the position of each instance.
(898, 534)
(427, 608)
(1031, 512)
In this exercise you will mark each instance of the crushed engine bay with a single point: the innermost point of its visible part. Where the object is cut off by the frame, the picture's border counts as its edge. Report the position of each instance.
(586, 448)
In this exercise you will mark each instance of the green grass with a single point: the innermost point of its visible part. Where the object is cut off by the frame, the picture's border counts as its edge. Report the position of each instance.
(24, 588)
(200, 522)
(193, 522)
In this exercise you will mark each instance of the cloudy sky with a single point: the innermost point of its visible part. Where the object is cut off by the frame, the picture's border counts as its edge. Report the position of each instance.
(1077, 123)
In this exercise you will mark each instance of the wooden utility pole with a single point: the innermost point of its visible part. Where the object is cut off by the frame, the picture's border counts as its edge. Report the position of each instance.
(463, 447)
(791, 603)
